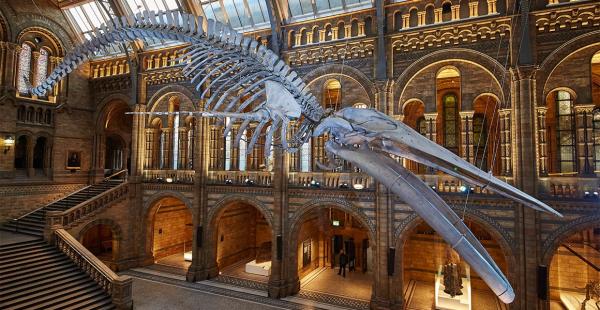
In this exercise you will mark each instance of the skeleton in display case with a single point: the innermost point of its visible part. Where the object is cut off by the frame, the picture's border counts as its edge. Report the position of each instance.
(240, 79)
(452, 272)
(592, 292)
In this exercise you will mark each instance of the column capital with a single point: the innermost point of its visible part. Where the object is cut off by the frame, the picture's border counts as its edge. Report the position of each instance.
(430, 116)
(587, 108)
(465, 114)
(542, 109)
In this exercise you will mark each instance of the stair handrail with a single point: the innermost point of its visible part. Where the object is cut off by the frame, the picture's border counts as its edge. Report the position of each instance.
(118, 287)
(53, 202)
(585, 260)
(51, 216)
(116, 174)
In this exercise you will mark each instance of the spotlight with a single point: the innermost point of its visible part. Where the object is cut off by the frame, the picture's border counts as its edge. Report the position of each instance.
(169, 180)
(358, 186)
(249, 182)
(38, 40)
(228, 181)
(344, 185)
(433, 187)
(314, 183)
(463, 189)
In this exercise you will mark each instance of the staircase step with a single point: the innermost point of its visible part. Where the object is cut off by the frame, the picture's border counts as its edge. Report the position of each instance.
(32, 222)
(97, 303)
(56, 271)
(21, 245)
(30, 268)
(25, 255)
(89, 298)
(50, 279)
(42, 300)
(24, 230)
(29, 291)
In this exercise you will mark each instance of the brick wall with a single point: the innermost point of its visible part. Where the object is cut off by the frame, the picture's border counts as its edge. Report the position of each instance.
(19, 200)
(172, 230)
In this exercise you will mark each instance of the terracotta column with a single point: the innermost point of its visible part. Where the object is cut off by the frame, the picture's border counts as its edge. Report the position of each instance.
(505, 151)
(585, 139)
(473, 9)
(542, 137)
(466, 135)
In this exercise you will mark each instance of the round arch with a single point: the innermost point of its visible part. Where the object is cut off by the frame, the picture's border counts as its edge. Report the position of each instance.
(345, 71)
(562, 88)
(215, 211)
(117, 234)
(298, 219)
(53, 44)
(558, 236)
(488, 64)
(185, 93)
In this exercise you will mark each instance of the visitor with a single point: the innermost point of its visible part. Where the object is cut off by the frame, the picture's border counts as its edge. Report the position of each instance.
(343, 262)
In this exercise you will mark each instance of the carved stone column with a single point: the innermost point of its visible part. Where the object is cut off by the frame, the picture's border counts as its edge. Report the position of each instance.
(139, 135)
(431, 130)
(322, 35)
(505, 142)
(183, 148)
(473, 9)
(466, 136)
(438, 15)
(309, 37)
(361, 29)
(150, 158)
(405, 21)
(298, 39)
(543, 160)
(421, 18)
(585, 139)
(165, 155)
(456, 12)
(334, 33)
(492, 7)
(348, 31)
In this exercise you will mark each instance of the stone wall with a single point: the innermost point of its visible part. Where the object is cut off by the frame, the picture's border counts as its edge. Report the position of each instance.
(172, 230)
(16, 201)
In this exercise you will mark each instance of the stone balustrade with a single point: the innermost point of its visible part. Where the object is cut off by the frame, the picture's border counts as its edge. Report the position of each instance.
(118, 287)
(260, 178)
(331, 180)
(76, 214)
(169, 176)
(570, 187)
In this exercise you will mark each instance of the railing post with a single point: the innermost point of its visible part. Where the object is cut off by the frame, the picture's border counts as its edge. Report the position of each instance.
(121, 293)
(53, 223)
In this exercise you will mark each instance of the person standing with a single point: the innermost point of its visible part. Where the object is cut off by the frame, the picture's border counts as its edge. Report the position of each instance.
(343, 262)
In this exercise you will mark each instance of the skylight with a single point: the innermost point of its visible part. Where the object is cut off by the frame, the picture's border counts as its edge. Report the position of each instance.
(242, 15)
(304, 9)
(85, 18)
(137, 6)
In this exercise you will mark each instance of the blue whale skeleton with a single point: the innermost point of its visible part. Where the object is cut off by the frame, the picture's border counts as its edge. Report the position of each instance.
(243, 80)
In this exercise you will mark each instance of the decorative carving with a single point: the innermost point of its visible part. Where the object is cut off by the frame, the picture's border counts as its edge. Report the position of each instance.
(323, 54)
(568, 18)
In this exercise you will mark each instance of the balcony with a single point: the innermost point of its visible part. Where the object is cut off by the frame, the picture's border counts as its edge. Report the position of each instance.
(169, 176)
(569, 187)
(331, 180)
(258, 178)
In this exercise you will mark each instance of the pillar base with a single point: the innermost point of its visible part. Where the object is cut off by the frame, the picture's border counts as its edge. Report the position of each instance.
(195, 274)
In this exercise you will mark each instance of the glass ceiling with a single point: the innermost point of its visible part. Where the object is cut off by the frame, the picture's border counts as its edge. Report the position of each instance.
(136, 6)
(242, 15)
(306, 9)
(85, 18)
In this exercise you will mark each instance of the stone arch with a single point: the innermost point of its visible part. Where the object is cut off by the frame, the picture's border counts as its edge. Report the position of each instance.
(216, 210)
(57, 48)
(172, 89)
(490, 65)
(117, 234)
(490, 95)
(106, 103)
(498, 234)
(561, 88)
(556, 238)
(347, 72)
(297, 220)
(64, 37)
(149, 210)
(5, 33)
(409, 101)
(551, 62)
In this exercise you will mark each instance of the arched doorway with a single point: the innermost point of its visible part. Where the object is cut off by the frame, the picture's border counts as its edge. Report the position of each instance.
(114, 126)
(243, 243)
(434, 275)
(171, 235)
(575, 263)
(39, 155)
(100, 239)
(318, 241)
(21, 153)
(114, 156)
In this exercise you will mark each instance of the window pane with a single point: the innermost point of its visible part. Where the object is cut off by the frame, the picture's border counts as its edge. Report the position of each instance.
(24, 68)
(306, 6)
(322, 5)
(258, 10)
(42, 67)
(234, 19)
(295, 8)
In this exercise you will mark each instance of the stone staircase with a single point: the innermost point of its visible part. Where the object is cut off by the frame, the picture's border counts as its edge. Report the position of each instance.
(36, 275)
(34, 222)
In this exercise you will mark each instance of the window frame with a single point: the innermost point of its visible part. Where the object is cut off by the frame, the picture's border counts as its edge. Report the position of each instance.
(570, 130)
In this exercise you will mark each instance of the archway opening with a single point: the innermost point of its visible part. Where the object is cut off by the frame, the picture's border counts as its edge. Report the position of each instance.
(39, 156)
(414, 116)
(243, 243)
(574, 265)
(434, 274)
(334, 254)
(100, 240)
(114, 155)
(21, 153)
(448, 88)
(116, 128)
(172, 234)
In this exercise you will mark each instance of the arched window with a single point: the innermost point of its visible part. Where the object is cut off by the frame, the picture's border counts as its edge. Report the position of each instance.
(429, 15)
(48, 117)
(292, 39)
(328, 34)
(30, 114)
(21, 114)
(24, 68)
(242, 150)
(315, 35)
(305, 163)
(450, 114)
(341, 31)
(332, 94)
(303, 37)
(596, 122)
(174, 126)
(480, 137)
(447, 11)
(369, 26)
(39, 116)
(565, 132)
(413, 20)
(354, 28)
(397, 20)
(41, 67)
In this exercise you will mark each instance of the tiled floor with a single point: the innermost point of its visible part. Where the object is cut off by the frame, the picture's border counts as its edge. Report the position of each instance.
(355, 285)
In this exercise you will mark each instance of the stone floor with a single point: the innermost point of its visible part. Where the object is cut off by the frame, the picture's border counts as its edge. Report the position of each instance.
(7, 237)
(356, 285)
(175, 260)
(148, 294)
(422, 298)
(238, 270)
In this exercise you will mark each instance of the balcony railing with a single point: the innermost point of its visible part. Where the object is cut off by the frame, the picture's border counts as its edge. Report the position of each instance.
(331, 180)
(570, 187)
(260, 178)
(169, 176)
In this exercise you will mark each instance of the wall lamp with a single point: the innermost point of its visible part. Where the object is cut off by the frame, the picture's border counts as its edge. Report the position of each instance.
(9, 141)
